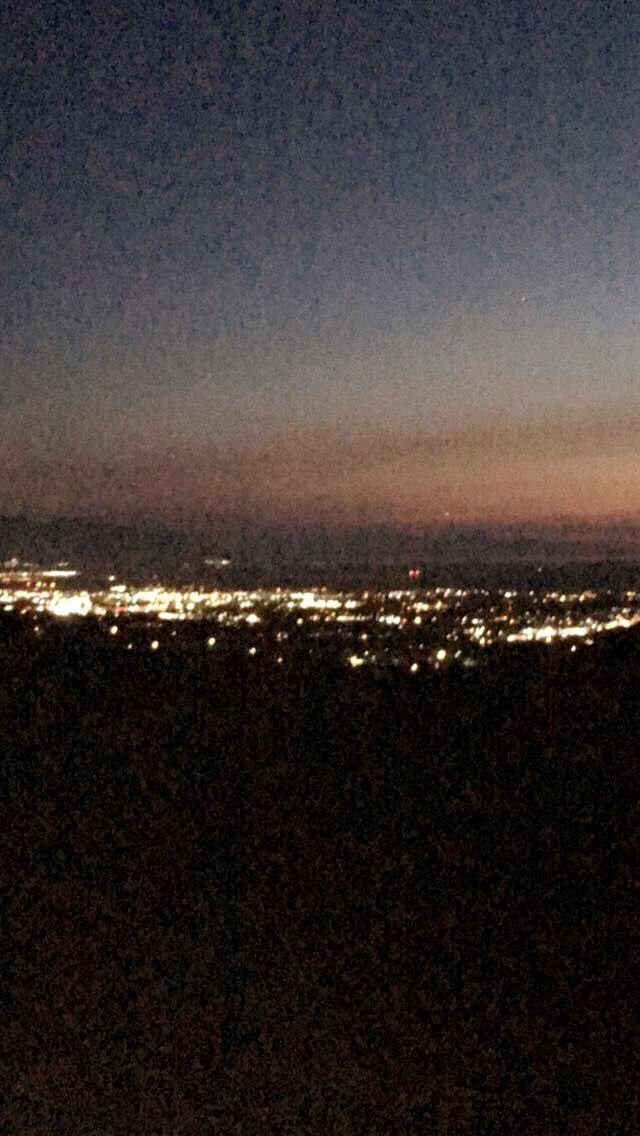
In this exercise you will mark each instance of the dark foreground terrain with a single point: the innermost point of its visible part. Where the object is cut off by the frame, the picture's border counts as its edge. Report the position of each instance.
(247, 901)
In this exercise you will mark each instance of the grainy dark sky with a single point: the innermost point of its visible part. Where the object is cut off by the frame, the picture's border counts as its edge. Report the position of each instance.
(318, 262)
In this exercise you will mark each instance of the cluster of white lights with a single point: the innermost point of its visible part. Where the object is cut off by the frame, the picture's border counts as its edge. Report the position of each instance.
(548, 632)
(455, 616)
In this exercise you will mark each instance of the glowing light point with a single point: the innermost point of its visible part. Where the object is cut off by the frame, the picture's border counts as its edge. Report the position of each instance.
(70, 605)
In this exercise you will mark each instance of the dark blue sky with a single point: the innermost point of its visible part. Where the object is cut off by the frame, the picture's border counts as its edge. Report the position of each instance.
(367, 263)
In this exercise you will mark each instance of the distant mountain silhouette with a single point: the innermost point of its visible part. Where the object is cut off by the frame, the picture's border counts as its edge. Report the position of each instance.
(297, 550)
(91, 543)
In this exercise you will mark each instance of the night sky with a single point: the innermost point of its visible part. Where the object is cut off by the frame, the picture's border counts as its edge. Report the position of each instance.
(320, 263)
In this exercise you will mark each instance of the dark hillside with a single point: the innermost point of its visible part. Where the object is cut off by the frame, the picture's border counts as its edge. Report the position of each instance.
(248, 901)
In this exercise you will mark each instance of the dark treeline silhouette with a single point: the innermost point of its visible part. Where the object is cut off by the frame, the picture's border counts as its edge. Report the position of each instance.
(248, 899)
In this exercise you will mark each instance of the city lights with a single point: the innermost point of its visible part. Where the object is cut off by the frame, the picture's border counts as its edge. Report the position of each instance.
(432, 626)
